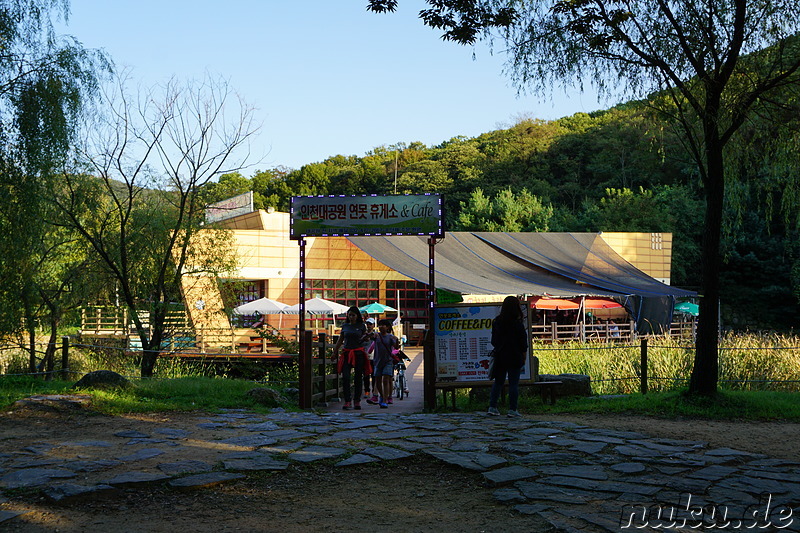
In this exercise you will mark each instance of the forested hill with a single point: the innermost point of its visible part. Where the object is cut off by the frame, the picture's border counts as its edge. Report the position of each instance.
(616, 170)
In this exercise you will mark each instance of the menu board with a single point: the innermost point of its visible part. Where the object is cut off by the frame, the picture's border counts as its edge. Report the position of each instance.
(463, 334)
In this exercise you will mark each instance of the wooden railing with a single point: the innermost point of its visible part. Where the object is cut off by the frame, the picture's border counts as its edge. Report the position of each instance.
(584, 332)
(624, 332)
(110, 321)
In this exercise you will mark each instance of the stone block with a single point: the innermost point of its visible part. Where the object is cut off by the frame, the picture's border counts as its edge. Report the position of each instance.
(571, 384)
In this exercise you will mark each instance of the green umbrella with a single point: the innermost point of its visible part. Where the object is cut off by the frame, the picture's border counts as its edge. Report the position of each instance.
(688, 307)
(375, 308)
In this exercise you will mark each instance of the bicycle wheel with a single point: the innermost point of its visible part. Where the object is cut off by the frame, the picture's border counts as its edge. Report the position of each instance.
(401, 386)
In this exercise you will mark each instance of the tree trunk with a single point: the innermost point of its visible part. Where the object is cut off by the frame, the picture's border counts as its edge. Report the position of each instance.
(151, 351)
(50, 351)
(705, 374)
(149, 362)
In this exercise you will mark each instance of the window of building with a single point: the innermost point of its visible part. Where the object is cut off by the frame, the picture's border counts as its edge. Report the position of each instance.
(413, 298)
(344, 291)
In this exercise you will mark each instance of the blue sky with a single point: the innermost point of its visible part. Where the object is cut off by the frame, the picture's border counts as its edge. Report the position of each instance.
(326, 77)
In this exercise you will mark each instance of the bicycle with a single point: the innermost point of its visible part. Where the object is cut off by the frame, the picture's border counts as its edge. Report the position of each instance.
(400, 383)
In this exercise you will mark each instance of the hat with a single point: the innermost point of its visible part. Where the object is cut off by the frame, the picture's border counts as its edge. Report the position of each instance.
(370, 321)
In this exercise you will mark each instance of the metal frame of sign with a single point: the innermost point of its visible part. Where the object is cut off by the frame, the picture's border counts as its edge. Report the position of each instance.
(364, 215)
(463, 335)
(332, 216)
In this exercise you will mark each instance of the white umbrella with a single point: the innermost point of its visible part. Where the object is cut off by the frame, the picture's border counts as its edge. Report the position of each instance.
(318, 306)
(262, 306)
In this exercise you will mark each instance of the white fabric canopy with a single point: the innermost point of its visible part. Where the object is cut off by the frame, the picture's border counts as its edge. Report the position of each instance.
(318, 306)
(262, 306)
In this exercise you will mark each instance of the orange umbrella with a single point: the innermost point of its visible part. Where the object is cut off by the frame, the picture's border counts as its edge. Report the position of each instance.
(600, 303)
(555, 304)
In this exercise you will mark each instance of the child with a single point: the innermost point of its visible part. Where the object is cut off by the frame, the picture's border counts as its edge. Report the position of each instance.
(369, 341)
(383, 361)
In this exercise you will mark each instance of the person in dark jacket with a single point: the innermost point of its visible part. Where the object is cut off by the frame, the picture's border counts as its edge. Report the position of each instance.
(510, 342)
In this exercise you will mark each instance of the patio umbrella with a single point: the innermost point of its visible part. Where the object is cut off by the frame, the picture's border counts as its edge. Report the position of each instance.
(688, 307)
(600, 303)
(555, 304)
(376, 308)
(262, 306)
(318, 306)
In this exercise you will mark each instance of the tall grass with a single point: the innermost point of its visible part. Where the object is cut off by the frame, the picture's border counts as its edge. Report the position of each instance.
(746, 362)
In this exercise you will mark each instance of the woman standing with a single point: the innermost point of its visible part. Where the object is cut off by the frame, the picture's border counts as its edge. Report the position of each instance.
(353, 356)
(510, 341)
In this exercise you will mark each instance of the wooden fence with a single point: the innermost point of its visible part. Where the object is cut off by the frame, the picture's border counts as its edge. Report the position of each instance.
(318, 382)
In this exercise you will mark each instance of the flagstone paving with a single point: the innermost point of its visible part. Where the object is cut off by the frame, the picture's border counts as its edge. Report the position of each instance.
(575, 477)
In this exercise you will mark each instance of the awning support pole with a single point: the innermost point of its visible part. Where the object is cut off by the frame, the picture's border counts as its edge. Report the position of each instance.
(428, 351)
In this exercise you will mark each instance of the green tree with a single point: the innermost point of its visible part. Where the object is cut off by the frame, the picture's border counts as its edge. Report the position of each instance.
(229, 185)
(693, 54)
(140, 208)
(271, 189)
(504, 212)
(45, 82)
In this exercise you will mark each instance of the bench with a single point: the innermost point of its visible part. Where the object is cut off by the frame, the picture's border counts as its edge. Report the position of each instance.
(546, 389)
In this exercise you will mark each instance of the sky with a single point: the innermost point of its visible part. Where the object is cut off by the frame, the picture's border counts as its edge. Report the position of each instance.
(326, 77)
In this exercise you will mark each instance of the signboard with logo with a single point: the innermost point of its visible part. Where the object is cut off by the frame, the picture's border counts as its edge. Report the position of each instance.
(229, 208)
(330, 216)
(463, 340)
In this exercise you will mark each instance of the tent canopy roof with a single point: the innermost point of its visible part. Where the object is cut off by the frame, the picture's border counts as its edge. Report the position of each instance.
(562, 265)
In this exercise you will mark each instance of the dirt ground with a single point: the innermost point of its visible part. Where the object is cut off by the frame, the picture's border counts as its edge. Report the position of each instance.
(417, 494)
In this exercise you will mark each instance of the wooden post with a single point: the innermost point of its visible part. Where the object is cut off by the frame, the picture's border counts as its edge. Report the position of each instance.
(644, 366)
(64, 357)
(321, 372)
(306, 373)
(429, 370)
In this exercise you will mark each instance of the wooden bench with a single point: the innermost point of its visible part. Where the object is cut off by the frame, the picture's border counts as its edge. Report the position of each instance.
(546, 389)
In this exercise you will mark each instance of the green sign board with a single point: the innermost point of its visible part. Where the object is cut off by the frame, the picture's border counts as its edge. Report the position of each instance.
(330, 216)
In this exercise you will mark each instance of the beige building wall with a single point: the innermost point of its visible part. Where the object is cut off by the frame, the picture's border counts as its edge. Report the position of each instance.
(266, 253)
(649, 252)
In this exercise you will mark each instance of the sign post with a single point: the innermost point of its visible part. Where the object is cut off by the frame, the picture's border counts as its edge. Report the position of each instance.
(365, 215)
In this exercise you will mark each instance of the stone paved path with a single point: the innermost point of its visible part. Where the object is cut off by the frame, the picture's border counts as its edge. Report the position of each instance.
(576, 477)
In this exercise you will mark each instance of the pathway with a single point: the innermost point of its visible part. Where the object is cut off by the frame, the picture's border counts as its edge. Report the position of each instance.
(412, 404)
(576, 477)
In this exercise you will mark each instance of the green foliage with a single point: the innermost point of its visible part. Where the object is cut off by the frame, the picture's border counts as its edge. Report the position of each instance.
(152, 395)
(760, 359)
(265, 331)
(46, 81)
(505, 212)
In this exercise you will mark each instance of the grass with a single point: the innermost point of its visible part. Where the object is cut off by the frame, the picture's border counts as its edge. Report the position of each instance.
(726, 405)
(746, 362)
(770, 363)
(212, 394)
(153, 395)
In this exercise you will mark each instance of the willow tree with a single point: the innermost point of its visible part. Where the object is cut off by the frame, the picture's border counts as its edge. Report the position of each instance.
(46, 81)
(709, 65)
